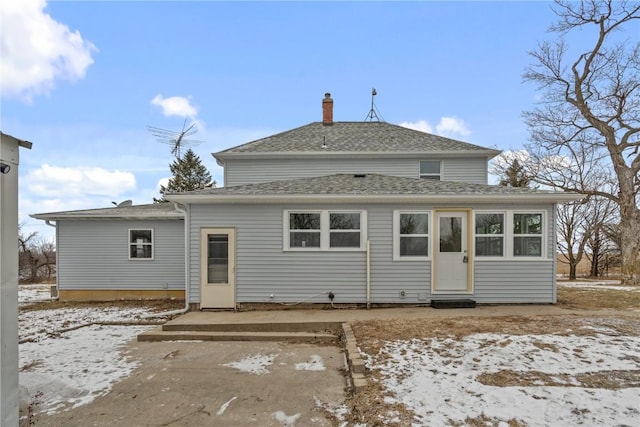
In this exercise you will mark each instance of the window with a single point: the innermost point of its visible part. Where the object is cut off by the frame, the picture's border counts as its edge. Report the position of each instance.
(430, 169)
(527, 234)
(344, 230)
(411, 235)
(141, 244)
(325, 230)
(304, 230)
(489, 234)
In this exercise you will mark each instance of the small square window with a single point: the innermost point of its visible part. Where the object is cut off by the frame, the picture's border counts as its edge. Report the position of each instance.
(430, 169)
(141, 244)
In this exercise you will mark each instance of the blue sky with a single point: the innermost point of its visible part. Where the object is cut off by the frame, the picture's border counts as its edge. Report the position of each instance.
(79, 80)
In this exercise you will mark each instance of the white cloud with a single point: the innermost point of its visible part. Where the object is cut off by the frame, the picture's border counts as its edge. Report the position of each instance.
(175, 106)
(452, 126)
(65, 183)
(37, 50)
(420, 125)
(448, 126)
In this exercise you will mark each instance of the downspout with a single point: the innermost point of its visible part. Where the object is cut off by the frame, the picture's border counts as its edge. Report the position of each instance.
(48, 222)
(368, 274)
(187, 276)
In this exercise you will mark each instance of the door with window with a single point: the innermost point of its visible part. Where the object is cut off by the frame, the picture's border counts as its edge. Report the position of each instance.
(451, 252)
(217, 268)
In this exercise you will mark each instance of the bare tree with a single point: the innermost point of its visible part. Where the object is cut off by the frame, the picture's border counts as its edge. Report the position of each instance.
(36, 257)
(600, 216)
(586, 127)
(572, 233)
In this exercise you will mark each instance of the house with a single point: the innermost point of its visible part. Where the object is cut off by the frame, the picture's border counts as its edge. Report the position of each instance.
(330, 212)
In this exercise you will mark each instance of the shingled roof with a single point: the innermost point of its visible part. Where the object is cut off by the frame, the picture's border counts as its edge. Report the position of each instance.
(148, 211)
(374, 186)
(355, 137)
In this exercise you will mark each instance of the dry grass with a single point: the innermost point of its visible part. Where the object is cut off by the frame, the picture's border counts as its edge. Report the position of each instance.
(597, 299)
(154, 305)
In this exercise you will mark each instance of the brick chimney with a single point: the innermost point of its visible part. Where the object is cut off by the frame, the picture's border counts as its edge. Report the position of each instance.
(327, 110)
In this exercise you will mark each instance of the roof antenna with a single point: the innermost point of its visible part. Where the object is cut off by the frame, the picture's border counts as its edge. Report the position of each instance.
(373, 114)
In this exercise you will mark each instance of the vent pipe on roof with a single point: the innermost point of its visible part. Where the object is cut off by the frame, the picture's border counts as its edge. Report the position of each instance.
(327, 110)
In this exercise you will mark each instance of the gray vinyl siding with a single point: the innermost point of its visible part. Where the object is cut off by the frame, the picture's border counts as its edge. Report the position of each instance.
(264, 268)
(239, 171)
(514, 281)
(94, 255)
(465, 170)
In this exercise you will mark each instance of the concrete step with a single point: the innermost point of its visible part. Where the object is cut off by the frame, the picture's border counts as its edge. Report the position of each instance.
(298, 337)
(180, 325)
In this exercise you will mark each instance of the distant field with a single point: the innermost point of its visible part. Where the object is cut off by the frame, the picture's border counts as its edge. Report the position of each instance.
(584, 268)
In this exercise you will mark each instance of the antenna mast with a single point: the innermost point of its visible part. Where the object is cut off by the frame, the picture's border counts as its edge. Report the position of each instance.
(372, 112)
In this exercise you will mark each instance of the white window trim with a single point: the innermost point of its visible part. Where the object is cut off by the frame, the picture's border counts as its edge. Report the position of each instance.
(324, 230)
(504, 235)
(396, 236)
(509, 235)
(425, 175)
(543, 234)
(152, 244)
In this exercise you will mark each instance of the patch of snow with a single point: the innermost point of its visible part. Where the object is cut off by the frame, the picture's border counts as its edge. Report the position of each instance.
(36, 325)
(75, 368)
(28, 294)
(438, 378)
(601, 285)
(225, 406)
(285, 420)
(256, 364)
(315, 364)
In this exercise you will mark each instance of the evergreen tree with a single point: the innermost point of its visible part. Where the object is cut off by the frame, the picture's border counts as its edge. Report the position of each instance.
(515, 175)
(189, 174)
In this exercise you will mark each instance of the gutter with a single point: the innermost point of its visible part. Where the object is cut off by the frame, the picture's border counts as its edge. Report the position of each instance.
(48, 222)
(187, 276)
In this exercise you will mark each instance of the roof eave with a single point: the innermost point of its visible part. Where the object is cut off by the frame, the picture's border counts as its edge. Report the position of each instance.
(386, 199)
(63, 216)
(222, 156)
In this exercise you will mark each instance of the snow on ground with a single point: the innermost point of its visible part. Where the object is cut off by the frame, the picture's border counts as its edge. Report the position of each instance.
(62, 367)
(75, 368)
(600, 284)
(439, 379)
(256, 364)
(34, 293)
(314, 364)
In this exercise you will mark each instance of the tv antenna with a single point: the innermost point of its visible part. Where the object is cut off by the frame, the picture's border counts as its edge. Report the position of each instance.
(373, 112)
(176, 140)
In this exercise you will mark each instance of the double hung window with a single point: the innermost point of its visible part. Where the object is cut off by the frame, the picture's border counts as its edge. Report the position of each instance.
(411, 235)
(490, 234)
(430, 169)
(527, 234)
(141, 243)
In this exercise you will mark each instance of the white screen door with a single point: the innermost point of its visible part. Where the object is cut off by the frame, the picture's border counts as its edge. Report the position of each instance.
(217, 268)
(451, 252)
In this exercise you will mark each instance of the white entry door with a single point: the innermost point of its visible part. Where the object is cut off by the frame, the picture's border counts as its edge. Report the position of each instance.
(451, 253)
(217, 268)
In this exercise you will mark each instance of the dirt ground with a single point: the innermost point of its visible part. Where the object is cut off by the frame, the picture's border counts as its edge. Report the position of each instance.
(188, 384)
(586, 308)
